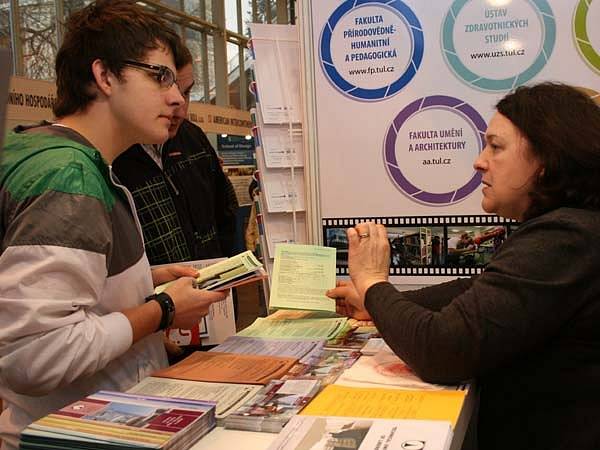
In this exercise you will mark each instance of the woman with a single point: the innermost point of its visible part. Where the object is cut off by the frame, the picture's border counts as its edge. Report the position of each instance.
(528, 327)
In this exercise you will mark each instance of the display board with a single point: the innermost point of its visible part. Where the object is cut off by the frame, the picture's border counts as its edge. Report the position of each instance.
(399, 94)
(281, 204)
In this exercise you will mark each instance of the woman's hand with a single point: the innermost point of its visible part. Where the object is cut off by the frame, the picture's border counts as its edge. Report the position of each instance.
(172, 272)
(191, 304)
(347, 301)
(368, 256)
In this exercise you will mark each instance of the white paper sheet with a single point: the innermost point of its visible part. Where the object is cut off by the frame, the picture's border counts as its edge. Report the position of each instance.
(276, 51)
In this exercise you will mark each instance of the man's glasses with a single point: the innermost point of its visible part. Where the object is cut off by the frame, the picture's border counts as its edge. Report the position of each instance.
(162, 74)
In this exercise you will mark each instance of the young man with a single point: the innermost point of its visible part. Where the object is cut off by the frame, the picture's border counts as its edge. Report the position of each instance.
(73, 274)
(185, 203)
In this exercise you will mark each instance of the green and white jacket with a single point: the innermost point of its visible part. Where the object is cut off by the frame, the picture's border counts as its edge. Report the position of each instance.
(72, 257)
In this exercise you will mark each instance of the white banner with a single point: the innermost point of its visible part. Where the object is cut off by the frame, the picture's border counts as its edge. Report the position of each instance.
(403, 92)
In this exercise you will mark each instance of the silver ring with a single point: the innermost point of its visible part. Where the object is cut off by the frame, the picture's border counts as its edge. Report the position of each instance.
(363, 235)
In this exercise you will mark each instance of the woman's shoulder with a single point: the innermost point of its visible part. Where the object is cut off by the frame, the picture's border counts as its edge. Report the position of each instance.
(562, 228)
(567, 218)
(562, 240)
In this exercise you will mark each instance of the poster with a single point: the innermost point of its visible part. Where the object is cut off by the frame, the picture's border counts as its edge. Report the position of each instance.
(403, 93)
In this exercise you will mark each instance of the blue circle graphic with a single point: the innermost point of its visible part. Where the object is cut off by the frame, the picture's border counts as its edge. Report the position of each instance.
(490, 84)
(384, 92)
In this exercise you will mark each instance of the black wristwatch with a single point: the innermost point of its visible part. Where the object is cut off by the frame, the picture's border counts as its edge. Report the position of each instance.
(168, 309)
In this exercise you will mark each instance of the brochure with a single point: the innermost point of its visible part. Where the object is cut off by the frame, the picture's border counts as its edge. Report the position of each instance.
(326, 367)
(228, 368)
(213, 328)
(301, 276)
(116, 420)
(374, 345)
(302, 349)
(228, 396)
(328, 328)
(273, 406)
(387, 369)
(240, 269)
(353, 433)
(354, 339)
(381, 403)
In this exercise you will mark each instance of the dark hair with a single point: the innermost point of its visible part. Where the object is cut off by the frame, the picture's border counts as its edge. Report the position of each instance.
(562, 125)
(183, 56)
(110, 30)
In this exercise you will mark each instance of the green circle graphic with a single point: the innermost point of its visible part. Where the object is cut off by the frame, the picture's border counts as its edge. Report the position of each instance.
(582, 40)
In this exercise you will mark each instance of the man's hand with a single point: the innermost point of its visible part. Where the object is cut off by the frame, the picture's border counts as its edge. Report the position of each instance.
(171, 347)
(191, 304)
(172, 272)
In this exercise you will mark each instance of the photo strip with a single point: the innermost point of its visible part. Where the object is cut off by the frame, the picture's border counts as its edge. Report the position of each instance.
(443, 245)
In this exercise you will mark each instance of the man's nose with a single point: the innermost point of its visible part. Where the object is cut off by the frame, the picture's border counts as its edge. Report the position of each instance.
(176, 96)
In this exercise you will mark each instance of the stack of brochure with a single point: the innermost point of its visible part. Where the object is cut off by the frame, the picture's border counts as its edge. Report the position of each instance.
(328, 328)
(213, 328)
(385, 369)
(115, 420)
(273, 406)
(303, 349)
(363, 434)
(355, 339)
(392, 403)
(228, 368)
(314, 362)
(227, 396)
(239, 269)
(325, 367)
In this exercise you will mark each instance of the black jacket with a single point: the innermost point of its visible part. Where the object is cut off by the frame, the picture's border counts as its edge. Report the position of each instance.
(187, 210)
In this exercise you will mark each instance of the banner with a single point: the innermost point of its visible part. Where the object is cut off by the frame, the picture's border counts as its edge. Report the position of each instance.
(31, 101)
(404, 90)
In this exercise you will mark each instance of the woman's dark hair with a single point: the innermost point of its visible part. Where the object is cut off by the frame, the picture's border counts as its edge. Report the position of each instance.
(112, 31)
(562, 125)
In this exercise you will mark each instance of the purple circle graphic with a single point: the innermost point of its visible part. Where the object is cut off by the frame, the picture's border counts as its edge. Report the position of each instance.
(454, 105)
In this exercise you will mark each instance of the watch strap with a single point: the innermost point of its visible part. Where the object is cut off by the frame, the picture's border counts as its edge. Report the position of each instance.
(167, 307)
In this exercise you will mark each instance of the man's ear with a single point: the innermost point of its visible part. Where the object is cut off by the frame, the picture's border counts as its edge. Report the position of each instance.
(103, 77)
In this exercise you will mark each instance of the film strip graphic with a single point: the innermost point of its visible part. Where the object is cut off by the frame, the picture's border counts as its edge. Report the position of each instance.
(428, 245)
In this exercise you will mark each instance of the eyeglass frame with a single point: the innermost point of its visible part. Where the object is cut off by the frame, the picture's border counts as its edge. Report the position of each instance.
(155, 69)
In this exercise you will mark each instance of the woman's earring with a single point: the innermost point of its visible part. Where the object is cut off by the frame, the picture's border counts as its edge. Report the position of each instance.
(541, 174)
